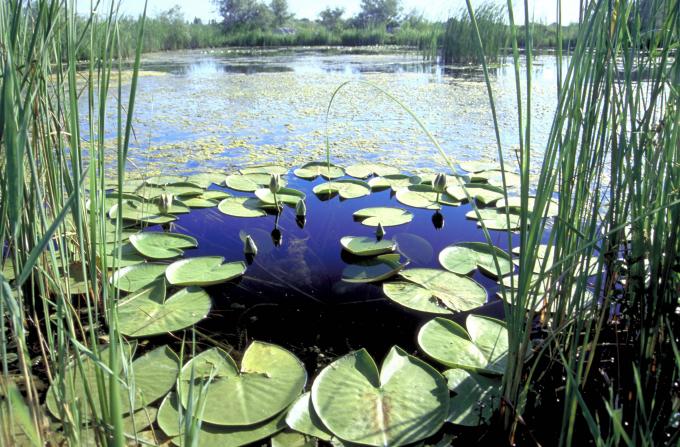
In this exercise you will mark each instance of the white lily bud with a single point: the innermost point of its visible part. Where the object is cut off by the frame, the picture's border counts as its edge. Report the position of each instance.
(380, 231)
(166, 202)
(275, 183)
(249, 247)
(439, 183)
(301, 209)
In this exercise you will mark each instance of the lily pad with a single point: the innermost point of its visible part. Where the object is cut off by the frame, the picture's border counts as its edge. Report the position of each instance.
(483, 348)
(289, 438)
(265, 169)
(162, 180)
(414, 247)
(393, 181)
(365, 170)
(120, 255)
(423, 196)
(144, 212)
(367, 246)
(515, 204)
(314, 169)
(269, 380)
(414, 297)
(495, 220)
(484, 194)
(176, 189)
(205, 179)
(373, 269)
(302, 417)
(348, 189)
(203, 271)
(463, 258)
(209, 435)
(406, 402)
(387, 216)
(161, 245)
(138, 276)
(458, 293)
(495, 178)
(241, 207)
(208, 199)
(476, 397)
(249, 182)
(289, 196)
(147, 312)
(477, 166)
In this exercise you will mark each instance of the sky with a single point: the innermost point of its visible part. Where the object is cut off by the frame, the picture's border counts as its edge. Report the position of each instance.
(541, 10)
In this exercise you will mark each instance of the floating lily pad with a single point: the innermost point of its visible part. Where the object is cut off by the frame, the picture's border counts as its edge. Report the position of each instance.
(414, 297)
(365, 170)
(482, 348)
(153, 374)
(157, 245)
(289, 196)
(8, 270)
(477, 166)
(205, 179)
(147, 312)
(145, 212)
(457, 192)
(387, 216)
(120, 255)
(176, 206)
(463, 258)
(423, 196)
(302, 417)
(476, 397)
(162, 180)
(495, 178)
(367, 246)
(312, 170)
(414, 247)
(495, 220)
(484, 194)
(249, 182)
(410, 396)
(269, 380)
(348, 189)
(265, 169)
(242, 207)
(209, 435)
(138, 276)
(373, 269)
(394, 181)
(176, 189)
(208, 199)
(203, 271)
(133, 424)
(289, 438)
(515, 204)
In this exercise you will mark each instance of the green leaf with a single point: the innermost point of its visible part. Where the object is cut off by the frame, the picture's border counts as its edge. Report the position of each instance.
(495, 220)
(138, 276)
(367, 246)
(314, 169)
(515, 204)
(205, 179)
(465, 257)
(365, 170)
(249, 182)
(387, 216)
(458, 293)
(302, 417)
(373, 269)
(208, 199)
(423, 196)
(160, 245)
(269, 380)
(495, 178)
(289, 438)
(145, 212)
(203, 271)
(477, 166)
(163, 180)
(476, 397)
(414, 297)
(265, 169)
(242, 207)
(123, 255)
(484, 194)
(147, 312)
(348, 189)
(288, 196)
(394, 181)
(404, 403)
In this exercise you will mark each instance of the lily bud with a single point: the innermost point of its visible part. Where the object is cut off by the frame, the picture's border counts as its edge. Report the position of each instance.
(380, 231)
(439, 183)
(166, 202)
(249, 247)
(275, 183)
(438, 220)
(300, 209)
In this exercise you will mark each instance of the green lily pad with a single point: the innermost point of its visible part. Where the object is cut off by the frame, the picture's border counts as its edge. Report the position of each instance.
(145, 212)
(365, 170)
(414, 247)
(302, 417)
(163, 180)
(133, 423)
(476, 397)
(458, 293)
(269, 380)
(289, 196)
(8, 270)
(289, 438)
(203, 271)
(209, 435)
(414, 297)
(393, 181)
(205, 179)
(483, 348)
(484, 194)
(208, 199)
(154, 373)
(477, 166)
(135, 277)
(314, 169)
(406, 402)
(495, 220)
(265, 169)
(348, 189)
(241, 207)
(373, 269)
(176, 189)
(367, 246)
(515, 204)
(463, 258)
(423, 196)
(495, 178)
(158, 245)
(147, 312)
(249, 182)
(387, 216)
(122, 255)
(176, 206)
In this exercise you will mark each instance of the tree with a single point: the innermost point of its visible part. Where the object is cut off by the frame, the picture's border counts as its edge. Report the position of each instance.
(248, 14)
(280, 12)
(378, 12)
(331, 19)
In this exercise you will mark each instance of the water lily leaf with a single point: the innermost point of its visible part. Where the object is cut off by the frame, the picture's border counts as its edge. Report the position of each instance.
(157, 245)
(120, 255)
(269, 380)
(365, 170)
(367, 246)
(302, 417)
(289, 438)
(458, 293)
(394, 181)
(414, 247)
(111, 198)
(463, 258)
(249, 182)
(241, 207)
(483, 348)
(176, 206)
(8, 270)
(348, 189)
(147, 312)
(414, 297)
(457, 192)
(289, 196)
(476, 397)
(495, 220)
(209, 435)
(176, 189)
(203, 271)
(515, 204)
(145, 212)
(138, 276)
(410, 396)
(162, 180)
(265, 169)
(423, 196)
(484, 194)
(477, 166)
(387, 216)
(495, 178)
(205, 179)
(373, 269)
(154, 374)
(314, 169)
(208, 199)
(133, 424)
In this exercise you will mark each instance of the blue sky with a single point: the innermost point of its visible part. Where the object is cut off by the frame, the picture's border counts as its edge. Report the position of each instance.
(541, 10)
